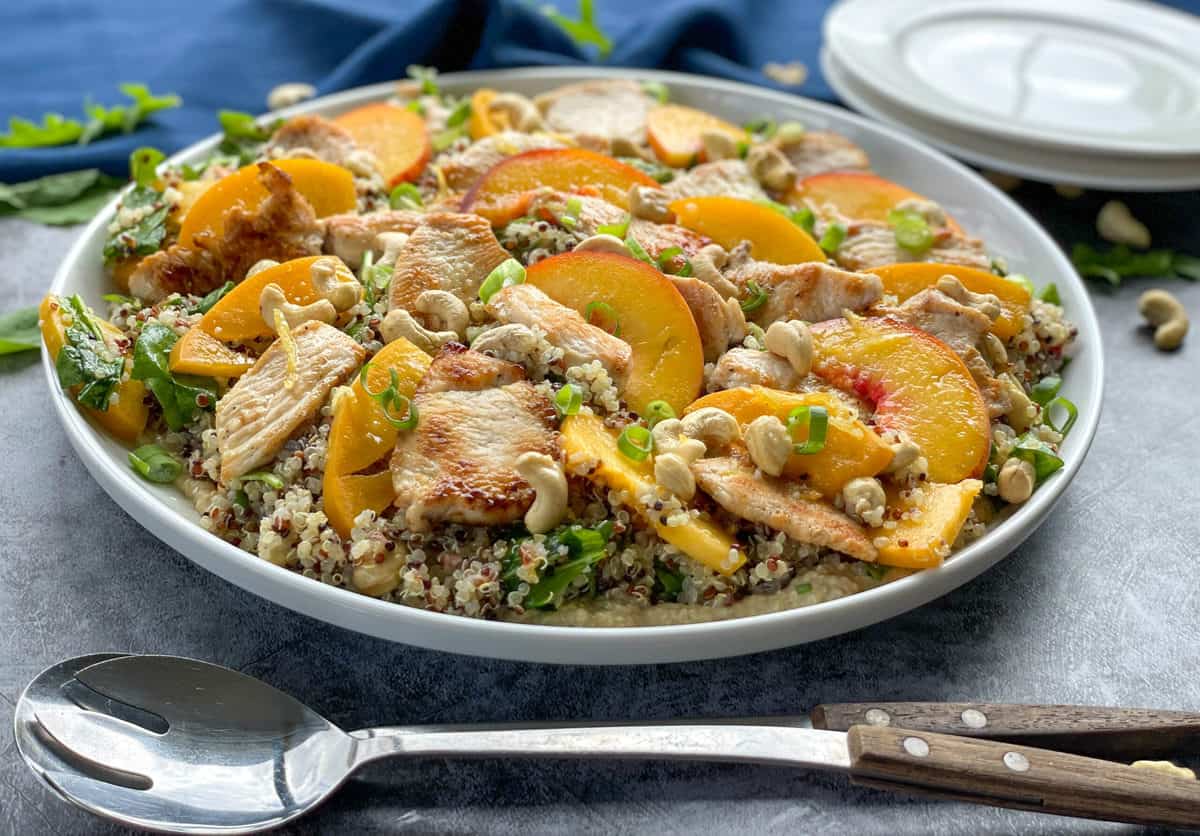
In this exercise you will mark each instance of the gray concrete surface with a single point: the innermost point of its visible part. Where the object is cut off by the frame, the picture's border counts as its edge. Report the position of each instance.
(1099, 606)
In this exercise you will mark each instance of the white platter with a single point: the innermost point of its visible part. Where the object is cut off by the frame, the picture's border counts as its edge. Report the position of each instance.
(1047, 165)
(978, 206)
(1105, 76)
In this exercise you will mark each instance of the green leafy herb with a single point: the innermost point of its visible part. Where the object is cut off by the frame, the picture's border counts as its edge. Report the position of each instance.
(118, 299)
(638, 251)
(912, 230)
(456, 126)
(154, 464)
(211, 298)
(375, 278)
(990, 473)
(399, 410)
(85, 360)
(425, 76)
(182, 397)
(762, 129)
(666, 262)
(801, 216)
(656, 90)
(1068, 407)
(55, 129)
(875, 571)
(802, 588)
(585, 547)
(616, 230)
(669, 582)
(266, 477)
(509, 273)
(1049, 293)
(814, 421)
(19, 331)
(659, 172)
(405, 196)
(756, 297)
(759, 335)
(59, 199)
(244, 136)
(416, 107)
(658, 411)
(1120, 262)
(607, 313)
(832, 238)
(635, 442)
(147, 234)
(1022, 280)
(584, 31)
(143, 165)
(568, 400)
(1038, 453)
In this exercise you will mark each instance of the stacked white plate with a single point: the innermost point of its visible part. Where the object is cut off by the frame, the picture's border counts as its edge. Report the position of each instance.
(1098, 93)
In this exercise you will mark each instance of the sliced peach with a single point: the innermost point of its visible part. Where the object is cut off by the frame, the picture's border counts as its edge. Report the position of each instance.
(852, 449)
(505, 191)
(923, 540)
(361, 437)
(481, 123)
(668, 359)
(328, 187)
(857, 195)
(910, 278)
(126, 418)
(236, 318)
(917, 384)
(730, 220)
(397, 137)
(586, 442)
(674, 132)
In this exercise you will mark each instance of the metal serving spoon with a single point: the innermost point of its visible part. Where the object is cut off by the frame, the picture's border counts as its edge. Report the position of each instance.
(178, 745)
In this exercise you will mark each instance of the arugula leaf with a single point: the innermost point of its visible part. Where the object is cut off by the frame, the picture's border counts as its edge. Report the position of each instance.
(59, 199)
(584, 31)
(19, 331)
(244, 136)
(180, 396)
(55, 129)
(86, 361)
(1120, 262)
(213, 297)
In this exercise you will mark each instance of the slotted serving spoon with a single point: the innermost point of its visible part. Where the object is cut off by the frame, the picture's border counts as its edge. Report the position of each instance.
(179, 745)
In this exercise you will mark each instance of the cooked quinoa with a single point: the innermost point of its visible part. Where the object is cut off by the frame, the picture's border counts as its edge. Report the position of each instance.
(606, 559)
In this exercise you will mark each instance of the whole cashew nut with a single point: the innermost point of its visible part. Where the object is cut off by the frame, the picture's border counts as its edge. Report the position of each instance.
(286, 95)
(650, 203)
(904, 453)
(771, 168)
(445, 309)
(550, 487)
(1016, 480)
(1117, 224)
(1167, 315)
(793, 342)
(718, 145)
(273, 299)
(735, 322)
(522, 113)
(333, 280)
(668, 437)
(714, 426)
(706, 266)
(769, 444)
(673, 472)
(602, 244)
(863, 498)
(400, 323)
(393, 243)
(377, 579)
(986, 303)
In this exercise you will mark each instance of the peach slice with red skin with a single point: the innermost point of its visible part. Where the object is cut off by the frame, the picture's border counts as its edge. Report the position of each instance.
(730, 220)
(675, 133)
(910, 278)
(917, 384)
(396, 136)
(504, 192)
(857, 195)
(668, 358)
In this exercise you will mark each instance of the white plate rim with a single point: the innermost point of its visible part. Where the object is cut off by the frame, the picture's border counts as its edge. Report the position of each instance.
(835, 29)
(1036, 163)
(147, 504)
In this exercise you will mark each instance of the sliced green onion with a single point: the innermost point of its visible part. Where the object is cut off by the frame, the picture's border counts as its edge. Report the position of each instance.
(460, 114)
(1072, 415)
(154, 464)
(444, 139)
(509, 273)
(814, 420)
(686, 271)
(759, 335)
(266, 477)
(875, 571)
(605, 310)
(743, 149)
(667, 256)
(1045, 389)
(416, 107)
(789, 132)
(635, 442)
(616, 230)
(405, 196)
(802, 216)
(1022, 280)
(570, 218)
(1049, 293)
(1038, 453)
(568, 400)
(582, 541)
(911, 229)
(756, 297)
(241, 499)
(656, 90)
(802, 588)
(670, 581)
(658, 411)
(832, 238)
(398, 410)
(638, 251)
(122, 299)
(764, 127)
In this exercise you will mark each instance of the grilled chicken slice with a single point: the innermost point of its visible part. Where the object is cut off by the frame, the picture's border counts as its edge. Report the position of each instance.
(463, 168)
(447, 251)
(311, 136)
(873, 244)
(607, 110)
(812, 291)
(459, 464)
(733, 483)
(351, 236)
(458, 368)
(282, 227)
(720, 321)
(723, 178)
(580, 341)
(817, 152)
(268, 404)
(751, 367)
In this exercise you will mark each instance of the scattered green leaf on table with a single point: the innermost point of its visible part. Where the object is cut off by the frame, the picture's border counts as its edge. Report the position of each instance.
(584, 32)
(1121, 262)
(69, 198)
(19, 331)
(56, 129)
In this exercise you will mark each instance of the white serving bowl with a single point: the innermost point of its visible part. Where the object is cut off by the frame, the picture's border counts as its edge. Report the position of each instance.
(976, 204)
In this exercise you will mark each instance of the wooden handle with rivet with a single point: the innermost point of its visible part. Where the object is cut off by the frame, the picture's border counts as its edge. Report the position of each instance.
(1019, 777)
(1117, 733)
